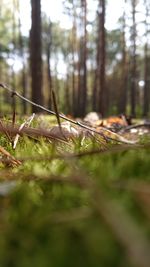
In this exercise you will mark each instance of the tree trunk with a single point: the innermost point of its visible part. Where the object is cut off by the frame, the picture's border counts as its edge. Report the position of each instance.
(48, 56)
(99, 90)
(133, 61)
(102, 91)
(146, 94)
(146, 85)
(95, 103)
(36, 55)
(124, 73)
(67, 93)
(23, 71)
(82, 97)
(74, 51)
(14, 39)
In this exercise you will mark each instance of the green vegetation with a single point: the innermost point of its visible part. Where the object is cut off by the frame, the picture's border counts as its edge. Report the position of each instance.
(90, 211)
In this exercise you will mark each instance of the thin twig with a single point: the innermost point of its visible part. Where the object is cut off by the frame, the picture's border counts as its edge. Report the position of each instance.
(32, 132)
(22, 126)
(56, 110)
(108, 135)
(14, 118)
(135, 126)
(114, 149)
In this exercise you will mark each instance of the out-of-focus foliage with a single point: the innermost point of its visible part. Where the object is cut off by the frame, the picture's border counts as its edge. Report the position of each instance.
(58, 212)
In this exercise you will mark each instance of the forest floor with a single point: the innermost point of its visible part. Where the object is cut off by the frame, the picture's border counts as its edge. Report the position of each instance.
(72, 195)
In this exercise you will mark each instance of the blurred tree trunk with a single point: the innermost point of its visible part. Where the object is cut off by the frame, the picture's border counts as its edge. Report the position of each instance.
(48, 56)
(67, 92)
(14, 40)
(99, 90)
(82, 83)
(102, 86)
(74, 74)
(56, 85)
(146, 85)
(23, 71)
(97, 68)
(36, 54)
(124, 72)
(133, 62)
(146, 95)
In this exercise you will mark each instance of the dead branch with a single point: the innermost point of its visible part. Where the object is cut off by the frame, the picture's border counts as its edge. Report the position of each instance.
(31, 132)
(22, 126)
(108, 136)
(114, 149)
(135, 126)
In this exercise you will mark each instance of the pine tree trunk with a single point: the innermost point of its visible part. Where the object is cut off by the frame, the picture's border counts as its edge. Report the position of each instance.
(124, 72)
(102, 94)
(146, 95)
(74, 50)
(82, 83)
(36, 54)
(146, 87)
(23, 71)
(48, 57)
(133, 61)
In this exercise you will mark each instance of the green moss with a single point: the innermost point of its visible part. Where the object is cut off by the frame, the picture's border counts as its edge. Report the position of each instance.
(41, 219)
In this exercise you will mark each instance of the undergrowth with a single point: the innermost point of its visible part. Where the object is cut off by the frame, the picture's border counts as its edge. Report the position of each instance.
(89, 210)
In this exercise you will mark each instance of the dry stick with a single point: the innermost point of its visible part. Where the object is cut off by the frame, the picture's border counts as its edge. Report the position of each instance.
(56, 110)
(114, 149)
(130, 127)
(32, 132)
(14, 118)
(64, 117)
(22, 126)
(57, 113)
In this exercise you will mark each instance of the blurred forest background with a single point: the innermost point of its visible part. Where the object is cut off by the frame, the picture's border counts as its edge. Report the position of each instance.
(87, 65)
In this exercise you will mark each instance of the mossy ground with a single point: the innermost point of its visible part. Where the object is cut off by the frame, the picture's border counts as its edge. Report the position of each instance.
(49, 218)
